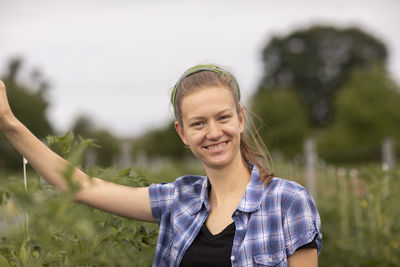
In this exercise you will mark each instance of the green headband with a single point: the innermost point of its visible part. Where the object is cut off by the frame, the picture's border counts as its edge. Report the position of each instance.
(199, 68)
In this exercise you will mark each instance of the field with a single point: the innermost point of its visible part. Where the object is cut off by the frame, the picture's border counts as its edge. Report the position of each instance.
(359, 209)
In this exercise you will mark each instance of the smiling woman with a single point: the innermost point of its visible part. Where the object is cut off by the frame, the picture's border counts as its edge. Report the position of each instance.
(211, 127)
(237, 215)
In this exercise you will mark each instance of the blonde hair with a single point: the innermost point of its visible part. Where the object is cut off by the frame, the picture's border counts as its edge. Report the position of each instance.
(252, 147)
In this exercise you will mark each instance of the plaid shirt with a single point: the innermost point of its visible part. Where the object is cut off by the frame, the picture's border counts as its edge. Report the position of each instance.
(271, 221)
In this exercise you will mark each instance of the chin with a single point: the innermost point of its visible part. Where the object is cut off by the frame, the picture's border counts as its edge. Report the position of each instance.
(217, 163)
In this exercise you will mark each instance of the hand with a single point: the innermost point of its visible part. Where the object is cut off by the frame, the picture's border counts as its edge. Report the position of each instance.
(5, 110)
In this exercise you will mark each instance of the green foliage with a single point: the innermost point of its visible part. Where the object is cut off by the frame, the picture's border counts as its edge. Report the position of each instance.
(284, 117)
(317, 62)
(367, 113)
(159, 143)
(69, 147)
(359, 209)
(57, 231)
(29, 105)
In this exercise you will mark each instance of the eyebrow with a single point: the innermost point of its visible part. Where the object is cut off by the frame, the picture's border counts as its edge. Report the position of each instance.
(219, 113)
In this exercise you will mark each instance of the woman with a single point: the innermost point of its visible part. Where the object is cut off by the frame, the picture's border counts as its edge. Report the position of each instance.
(239, 215)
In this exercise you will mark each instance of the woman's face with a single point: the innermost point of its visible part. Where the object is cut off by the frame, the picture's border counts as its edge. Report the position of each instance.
(212, 126)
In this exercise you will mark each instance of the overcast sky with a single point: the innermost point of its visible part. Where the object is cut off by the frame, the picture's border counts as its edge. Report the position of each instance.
(117, 60)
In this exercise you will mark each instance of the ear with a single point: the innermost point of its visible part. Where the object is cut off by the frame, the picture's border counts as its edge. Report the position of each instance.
(241, 119)
(181, 133)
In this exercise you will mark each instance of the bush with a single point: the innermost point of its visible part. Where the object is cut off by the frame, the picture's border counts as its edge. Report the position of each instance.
(47, 228)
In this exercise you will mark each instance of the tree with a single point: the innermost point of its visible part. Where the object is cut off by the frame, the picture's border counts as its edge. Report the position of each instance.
(367, 112)
(284, 120)
(317, 62)
(29, 104)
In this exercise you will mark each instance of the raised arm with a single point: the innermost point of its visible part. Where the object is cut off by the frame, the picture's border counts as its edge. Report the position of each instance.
(129, 202)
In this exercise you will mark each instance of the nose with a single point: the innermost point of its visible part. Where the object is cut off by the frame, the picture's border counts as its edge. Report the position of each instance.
(214, 132)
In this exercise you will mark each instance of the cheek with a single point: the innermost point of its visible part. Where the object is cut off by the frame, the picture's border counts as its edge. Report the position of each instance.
(195, 137)
(234, 129)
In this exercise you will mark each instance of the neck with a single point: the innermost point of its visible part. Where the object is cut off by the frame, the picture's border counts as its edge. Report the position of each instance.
(228, 182)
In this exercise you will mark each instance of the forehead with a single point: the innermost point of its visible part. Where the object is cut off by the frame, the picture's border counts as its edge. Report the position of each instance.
(207, 102)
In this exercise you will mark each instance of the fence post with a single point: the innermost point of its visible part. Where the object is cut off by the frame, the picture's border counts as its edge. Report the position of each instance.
(343, 202)
(90, 158)
(356, 193)
(311, 161)
(388, 154)
(126, 158)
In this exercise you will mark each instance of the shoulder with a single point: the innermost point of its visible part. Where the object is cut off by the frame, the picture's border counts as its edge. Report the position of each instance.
(286, 188)
(188, 186)
(284, 193)
(184, 182)
(185, 190)
(190, 183)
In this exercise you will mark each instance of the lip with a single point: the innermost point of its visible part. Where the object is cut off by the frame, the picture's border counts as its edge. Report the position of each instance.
(223, 143)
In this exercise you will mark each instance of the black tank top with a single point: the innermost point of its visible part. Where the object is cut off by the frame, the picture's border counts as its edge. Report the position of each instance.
(215, 250)
(210, 250)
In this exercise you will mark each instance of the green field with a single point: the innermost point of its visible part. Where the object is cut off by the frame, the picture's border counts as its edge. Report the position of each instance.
(359, 209)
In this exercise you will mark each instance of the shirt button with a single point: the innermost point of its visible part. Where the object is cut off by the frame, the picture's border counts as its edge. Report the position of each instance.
(232, 258)
(236, 213)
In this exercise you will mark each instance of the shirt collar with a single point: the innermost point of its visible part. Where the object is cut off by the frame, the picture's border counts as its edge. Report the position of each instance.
(203, 198)
(250, 201)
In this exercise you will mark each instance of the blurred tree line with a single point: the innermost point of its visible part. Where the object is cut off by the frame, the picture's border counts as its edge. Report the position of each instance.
(332, 85)
(28, 100)
(322, 82)
(109, 145)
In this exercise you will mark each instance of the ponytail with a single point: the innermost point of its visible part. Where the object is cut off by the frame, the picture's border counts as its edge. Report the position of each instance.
(255, 151)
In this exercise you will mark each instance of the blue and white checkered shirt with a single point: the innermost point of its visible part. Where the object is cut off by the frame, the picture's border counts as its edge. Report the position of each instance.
(271, 221)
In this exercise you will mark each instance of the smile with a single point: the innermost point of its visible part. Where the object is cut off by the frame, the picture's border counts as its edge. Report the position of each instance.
(216, 146)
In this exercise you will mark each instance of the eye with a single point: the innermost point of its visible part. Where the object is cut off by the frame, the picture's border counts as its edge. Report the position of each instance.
(224, 117)
(197, 124)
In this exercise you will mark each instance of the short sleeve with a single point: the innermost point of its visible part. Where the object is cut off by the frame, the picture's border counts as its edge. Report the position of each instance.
(161, 198)
(301, 223)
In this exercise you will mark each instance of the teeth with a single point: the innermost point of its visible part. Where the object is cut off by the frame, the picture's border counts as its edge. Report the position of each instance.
(215, 147)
